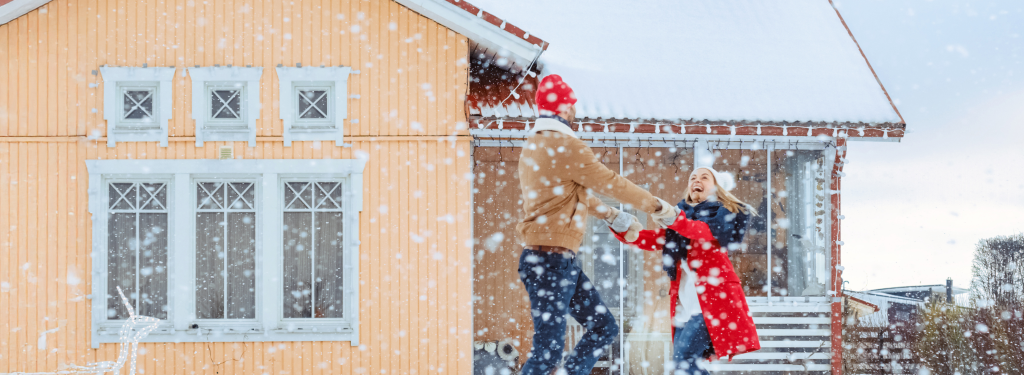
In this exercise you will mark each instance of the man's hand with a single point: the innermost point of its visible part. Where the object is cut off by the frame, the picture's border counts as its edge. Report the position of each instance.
(623, 222)
(666, 215)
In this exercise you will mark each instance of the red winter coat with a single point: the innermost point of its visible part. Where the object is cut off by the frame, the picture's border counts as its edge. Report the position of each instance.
(721, 296)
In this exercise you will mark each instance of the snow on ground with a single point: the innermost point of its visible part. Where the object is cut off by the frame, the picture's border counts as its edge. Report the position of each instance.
(780, 60)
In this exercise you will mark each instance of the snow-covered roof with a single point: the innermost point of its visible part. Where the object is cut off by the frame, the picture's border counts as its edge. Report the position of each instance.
(678, 60)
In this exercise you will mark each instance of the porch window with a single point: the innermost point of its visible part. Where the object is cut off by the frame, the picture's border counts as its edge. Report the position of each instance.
(784, 253)
(800, 252)
(228, 250)
(603, 261)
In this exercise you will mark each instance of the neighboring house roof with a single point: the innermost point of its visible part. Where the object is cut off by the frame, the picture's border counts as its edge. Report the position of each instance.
(512, 47)
(688, 61)
(883, 299)
(936, 288)
(860, 307)
(883, 302)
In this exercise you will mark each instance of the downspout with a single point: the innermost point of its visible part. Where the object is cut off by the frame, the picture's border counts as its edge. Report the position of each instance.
(837, 280)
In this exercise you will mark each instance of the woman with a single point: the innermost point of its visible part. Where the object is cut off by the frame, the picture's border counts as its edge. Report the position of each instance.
(712, 316)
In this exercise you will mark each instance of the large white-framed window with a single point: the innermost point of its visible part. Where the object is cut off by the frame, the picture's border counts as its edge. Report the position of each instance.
(225, 103)
(227, 250)
(314, 103)
(137, 104)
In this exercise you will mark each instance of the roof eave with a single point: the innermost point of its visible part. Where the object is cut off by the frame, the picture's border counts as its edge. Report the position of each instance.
(483, 28)
(17, 8)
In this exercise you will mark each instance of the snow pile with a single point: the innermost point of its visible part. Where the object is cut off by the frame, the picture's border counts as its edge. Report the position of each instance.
(753, 60)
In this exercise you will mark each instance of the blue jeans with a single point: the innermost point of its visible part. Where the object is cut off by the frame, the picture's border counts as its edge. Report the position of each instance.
(557, 286)
(688, 346)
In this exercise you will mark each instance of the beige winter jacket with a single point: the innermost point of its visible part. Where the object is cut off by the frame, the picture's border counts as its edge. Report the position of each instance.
(556, 172)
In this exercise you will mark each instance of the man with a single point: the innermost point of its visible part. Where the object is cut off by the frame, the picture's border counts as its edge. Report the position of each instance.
(557, 174)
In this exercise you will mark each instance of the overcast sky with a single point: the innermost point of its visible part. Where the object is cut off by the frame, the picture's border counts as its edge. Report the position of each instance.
(915, 210)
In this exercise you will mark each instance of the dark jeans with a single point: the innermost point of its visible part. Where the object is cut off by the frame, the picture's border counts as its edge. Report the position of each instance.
(557, 286)
(688, 346)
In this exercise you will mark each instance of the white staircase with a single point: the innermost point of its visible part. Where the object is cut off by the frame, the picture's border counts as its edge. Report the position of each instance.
(795, 338)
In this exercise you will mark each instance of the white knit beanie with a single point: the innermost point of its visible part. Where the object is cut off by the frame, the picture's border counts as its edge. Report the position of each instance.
(724, 179)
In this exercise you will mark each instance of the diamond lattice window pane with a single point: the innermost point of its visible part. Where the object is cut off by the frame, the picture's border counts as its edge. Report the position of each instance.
(210, 195)
(240, 195)
(122, 196)
(153, 196)
(327, 195)
(226, 104)
(313, 104)
(298, 195)
(138, 104)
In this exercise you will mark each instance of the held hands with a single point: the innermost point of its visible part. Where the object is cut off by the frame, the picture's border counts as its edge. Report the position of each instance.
(666, 215)
(623, 222)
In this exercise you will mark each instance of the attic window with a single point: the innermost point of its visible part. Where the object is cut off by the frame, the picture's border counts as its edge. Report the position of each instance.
(316, 104)
(137, 104)
(226, 103)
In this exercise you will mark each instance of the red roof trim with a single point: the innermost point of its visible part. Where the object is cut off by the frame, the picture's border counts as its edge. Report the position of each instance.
(868, 62)
(2, 2)
(766, 130)
(496, 21)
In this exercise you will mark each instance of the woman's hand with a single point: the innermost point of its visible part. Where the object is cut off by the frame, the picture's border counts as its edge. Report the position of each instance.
(665, 215)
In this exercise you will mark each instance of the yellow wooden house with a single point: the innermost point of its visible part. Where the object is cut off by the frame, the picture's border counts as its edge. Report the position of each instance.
(282, 183)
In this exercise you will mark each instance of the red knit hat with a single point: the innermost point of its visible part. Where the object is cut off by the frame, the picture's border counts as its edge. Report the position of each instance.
(554, 94)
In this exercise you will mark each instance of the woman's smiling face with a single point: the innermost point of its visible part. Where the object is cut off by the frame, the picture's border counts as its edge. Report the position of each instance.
(701, 185)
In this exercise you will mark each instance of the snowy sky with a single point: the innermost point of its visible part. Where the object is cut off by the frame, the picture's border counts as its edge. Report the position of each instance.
(915, 210)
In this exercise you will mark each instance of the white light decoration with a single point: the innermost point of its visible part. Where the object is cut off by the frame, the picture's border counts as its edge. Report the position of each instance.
(134, 329)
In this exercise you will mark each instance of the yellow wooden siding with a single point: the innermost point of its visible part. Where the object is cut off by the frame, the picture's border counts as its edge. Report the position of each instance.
(415, 296)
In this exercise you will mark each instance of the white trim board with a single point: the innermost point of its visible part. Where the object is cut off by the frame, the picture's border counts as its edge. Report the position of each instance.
(282, 166)
(17, 8)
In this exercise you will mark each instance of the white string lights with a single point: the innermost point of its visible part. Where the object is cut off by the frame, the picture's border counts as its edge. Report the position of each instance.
(134, 329)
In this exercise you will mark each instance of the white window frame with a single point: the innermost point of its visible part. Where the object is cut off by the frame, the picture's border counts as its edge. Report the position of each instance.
(291, 79)
(269, 175)
(115, 80)
(206, 79)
